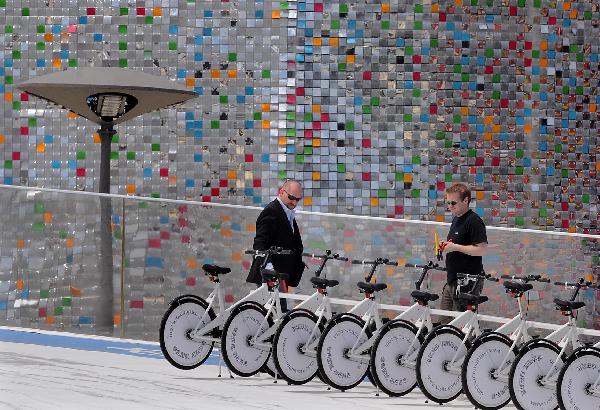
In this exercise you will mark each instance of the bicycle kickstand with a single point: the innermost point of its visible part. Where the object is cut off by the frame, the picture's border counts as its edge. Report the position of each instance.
(228, 369)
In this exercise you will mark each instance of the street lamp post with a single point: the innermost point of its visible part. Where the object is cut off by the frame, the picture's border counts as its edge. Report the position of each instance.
(106, 96)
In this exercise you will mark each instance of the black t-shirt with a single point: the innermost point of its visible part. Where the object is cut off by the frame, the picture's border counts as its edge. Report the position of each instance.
(467, 229)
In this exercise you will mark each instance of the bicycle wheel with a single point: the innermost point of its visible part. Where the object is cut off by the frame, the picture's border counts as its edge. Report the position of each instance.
(294, 365)
(390, 347)
(440, 347)
(579, 373)
(486, 356)
(244, 323)
(183, 316)
(534, 361)
(336, 368)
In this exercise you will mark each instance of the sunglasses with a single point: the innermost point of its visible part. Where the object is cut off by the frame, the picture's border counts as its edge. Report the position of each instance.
(292, 197)
(452, 203)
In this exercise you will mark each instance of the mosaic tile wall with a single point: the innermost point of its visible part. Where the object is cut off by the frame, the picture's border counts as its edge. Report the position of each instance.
(378, 106)
(49, 258)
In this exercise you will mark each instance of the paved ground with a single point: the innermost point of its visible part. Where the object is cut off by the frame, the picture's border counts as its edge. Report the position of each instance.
(62, 371)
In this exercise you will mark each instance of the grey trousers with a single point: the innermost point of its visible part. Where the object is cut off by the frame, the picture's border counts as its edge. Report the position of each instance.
(449, 301)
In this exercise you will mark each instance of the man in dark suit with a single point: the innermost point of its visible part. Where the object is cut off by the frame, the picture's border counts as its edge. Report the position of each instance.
(276, 226)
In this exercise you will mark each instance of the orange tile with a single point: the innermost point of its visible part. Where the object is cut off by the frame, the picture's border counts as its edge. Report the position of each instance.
(41, 148)
(215, 74)
(265, 107)
(71, 115)
(334, 41)
(50, 320)
(2, 138)
(226, 232)
(190, 82)
(316, 142)
(316, 108)
(307, 201)
(231, 74)
(47, 217)
(236, 256)
(19, 284)
(317, 41)
(348, 247)
(48, 37)
(191, 263)
(350, 59)
(76, 292)
(276, 14)
(131, 188)
(21, 242)
(231, 174)
(265, 124)
(527, 128)
(117, 319)
(8, 96)
(316, 176)
(157, 12)
(435, 8)
(385, 8)
(69, 242)
(374, 201)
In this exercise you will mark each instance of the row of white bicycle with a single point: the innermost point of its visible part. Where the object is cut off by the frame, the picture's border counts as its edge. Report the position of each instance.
(490, 367)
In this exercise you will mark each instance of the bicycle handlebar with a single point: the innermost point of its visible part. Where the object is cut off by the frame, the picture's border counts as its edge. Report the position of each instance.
(274, 250)
(527, 278)
(328, 255)
(487, 276)
(378, 261)
(429, 266)
(580, 284)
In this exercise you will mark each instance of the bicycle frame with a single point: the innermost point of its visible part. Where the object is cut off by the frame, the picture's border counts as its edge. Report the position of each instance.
(371, 308)
(273, 307)
(517, 329)
(567, 334)
(322, 310)
(468, 322)
(420, 315)
(216, 297)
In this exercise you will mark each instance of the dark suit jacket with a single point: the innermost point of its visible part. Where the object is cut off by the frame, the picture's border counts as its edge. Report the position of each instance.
(273, 229)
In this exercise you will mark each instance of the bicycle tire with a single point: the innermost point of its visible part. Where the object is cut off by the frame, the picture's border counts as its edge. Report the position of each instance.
(580, 371)
(391, 344)
(434, 380)
(482, 359)
(181, 317)
(340, 334)
(243, 323)
(292, 333)
(534, 360)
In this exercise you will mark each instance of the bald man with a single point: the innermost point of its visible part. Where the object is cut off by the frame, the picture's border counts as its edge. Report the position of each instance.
(276, 226)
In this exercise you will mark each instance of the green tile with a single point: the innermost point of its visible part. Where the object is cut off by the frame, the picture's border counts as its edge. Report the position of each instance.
(122, 28)
(172, 45)
(223, 99)
(66, 301)
(155, 195)
(32, 122)
(375, 101)
(25, 12)
(585, 198)
(308, 150)
(341, 168)
(519, 221)
(44, 293)
(131, 155)
(8, 164)
(399, 176)
(418, 8)
(8, 29)
(366, 109)
(72, 62)
(417, 26)
(122, 45)
(335, 24)
(299, 159)
(308, 117)
(415, 193)
(58, 310)
(80, 155)
(382, 193)
(215, 124)
(416, 160)
(257, 116)
(123, 11)
(38, 226)
(543, 213)
(114, 155)
(40, 29)
(16, 54)
(416, 92)
(519, 153)
(40, 46)
(38, 208)
(350, 126)
(149, 20)
(265, 74)
(232, 57)
(155, 147)
(123, 63)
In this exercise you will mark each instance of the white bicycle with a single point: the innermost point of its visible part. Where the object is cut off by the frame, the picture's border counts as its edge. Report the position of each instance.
(578, 385)
(299, 330)
(247, 335)
(535, 370)
(190, 327)
(395, 348)
(343, 354)
(440, 358)
(486, 366)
